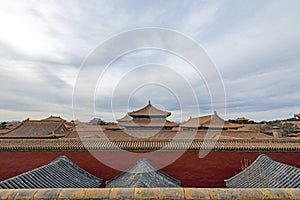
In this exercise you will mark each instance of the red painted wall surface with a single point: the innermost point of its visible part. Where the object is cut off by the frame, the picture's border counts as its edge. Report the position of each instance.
(192, 171)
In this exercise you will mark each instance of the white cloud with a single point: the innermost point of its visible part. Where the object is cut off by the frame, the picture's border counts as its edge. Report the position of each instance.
(255, 45)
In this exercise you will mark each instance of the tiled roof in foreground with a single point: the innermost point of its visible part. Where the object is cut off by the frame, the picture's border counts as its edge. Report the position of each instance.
(142, 175)
(60, 173)
(266, 173)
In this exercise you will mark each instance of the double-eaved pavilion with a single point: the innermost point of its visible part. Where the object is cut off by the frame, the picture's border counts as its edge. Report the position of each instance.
(147, 118)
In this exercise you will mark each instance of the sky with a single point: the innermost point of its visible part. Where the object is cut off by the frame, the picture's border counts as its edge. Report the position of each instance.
(254, 45)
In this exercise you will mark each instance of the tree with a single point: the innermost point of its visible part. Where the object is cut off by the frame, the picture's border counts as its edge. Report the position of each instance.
(3, 125)
(288, 128)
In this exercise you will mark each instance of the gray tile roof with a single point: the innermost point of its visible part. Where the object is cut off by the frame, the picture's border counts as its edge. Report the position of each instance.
(266, 173)
(60, 173)
(142, 175)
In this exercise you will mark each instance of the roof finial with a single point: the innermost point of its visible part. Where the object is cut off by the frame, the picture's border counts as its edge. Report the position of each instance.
(149, 102)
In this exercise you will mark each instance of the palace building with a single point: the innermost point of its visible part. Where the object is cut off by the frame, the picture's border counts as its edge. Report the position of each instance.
(242, 120)
(147, 118)
(51, 127)
(212, 122)
(49, 153)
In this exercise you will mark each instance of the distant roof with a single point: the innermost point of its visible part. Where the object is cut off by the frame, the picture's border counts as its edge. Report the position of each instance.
(209, 121)
(241, 119)
(297, 115)
(147, 123)
(54, 119)
(60, 173)
(150, 111)
(266, 173)
(37, 129)
(126, 118)
(142, 175)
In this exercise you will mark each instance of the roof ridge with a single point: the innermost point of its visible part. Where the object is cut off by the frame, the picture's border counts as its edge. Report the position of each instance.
(153, 169)
(150, 106)
(61, 124)
(66, 159)
(54, 164)
(18, 126)
(263, 162)
(258, 159)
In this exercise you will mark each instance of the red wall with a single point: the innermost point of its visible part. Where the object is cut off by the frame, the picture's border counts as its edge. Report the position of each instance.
(192, 171)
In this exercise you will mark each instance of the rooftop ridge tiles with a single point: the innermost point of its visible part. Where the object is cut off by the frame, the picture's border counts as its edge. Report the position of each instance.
(41, 176)
(264, 162)
(91, 144)
(141, 168)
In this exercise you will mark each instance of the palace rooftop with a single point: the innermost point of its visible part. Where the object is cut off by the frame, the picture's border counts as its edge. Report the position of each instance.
(45, 128)
(149, 111)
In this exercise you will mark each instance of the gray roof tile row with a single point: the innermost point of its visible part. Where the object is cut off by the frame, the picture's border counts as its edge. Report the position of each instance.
(266, 173)
(143, 175)
(60, 173)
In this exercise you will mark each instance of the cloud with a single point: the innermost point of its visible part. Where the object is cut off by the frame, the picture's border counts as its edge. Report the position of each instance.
(257, 59)
(255, 45)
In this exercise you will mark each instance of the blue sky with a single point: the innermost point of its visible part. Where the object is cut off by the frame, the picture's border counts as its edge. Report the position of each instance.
(255, 46)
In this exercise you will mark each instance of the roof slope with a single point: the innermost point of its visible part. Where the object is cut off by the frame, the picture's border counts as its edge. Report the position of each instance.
(242, 119)
(54, 119)
(266, 173)
(142, 175)
(126, 118)
(149, 111)
(147, 123)
(210, 121)
(38, 129)
(60, 173)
